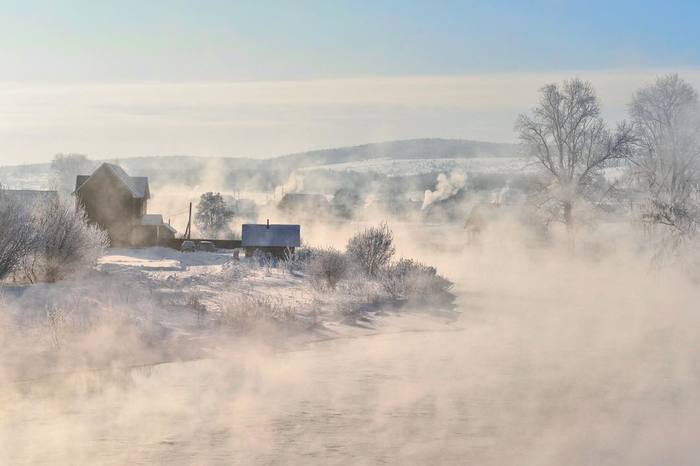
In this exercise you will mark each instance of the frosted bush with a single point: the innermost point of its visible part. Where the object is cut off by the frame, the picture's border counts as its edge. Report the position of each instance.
(372, 248)
(64, 241)
(328, 267)
(409, 279)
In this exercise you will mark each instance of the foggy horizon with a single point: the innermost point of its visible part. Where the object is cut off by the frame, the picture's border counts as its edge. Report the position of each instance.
(238, 119)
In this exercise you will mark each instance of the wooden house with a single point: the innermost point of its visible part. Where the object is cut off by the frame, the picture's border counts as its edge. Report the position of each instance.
(118, 203)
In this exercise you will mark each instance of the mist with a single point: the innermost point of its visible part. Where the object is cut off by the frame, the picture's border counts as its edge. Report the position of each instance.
(555, 356)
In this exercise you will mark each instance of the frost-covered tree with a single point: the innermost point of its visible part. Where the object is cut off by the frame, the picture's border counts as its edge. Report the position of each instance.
(213, 216)
(65, 168)
(15, 234)
(372, 248)
(46, 241)
(666, 119)
(63, 241)
(570, 141)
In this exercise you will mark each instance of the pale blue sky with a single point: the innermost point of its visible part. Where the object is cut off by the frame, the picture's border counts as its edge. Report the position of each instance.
(60, 61)
(178, 40)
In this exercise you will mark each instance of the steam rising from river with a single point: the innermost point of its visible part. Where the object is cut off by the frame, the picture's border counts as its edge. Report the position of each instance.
(559, 357)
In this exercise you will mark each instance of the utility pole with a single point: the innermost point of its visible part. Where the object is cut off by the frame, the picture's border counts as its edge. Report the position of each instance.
(188, 231)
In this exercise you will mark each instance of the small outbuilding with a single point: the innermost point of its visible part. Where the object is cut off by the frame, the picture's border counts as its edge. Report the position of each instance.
(152, 230)
(274, 240)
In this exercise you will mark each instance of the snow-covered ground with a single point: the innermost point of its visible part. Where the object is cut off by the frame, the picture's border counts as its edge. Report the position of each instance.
(217, 279)
(169, 305)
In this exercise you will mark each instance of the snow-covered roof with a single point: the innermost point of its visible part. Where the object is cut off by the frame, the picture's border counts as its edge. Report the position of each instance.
(156, 220)
(140, 186)
(261, 235)
(152, 220)
(137, 185)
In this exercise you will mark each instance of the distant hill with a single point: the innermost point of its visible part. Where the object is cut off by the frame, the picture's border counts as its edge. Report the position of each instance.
(404, 149)
(188, 169)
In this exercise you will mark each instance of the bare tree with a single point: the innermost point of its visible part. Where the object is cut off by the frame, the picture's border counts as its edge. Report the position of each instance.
(666, 119)
(570, 141)
(15, 234)
(372, 248)
(65, 168)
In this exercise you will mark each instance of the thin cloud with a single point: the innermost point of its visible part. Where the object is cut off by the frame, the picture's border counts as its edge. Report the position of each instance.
(266, 118)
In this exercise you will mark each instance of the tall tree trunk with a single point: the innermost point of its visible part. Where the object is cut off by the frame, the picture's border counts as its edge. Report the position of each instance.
(569, 222)
(568, 216)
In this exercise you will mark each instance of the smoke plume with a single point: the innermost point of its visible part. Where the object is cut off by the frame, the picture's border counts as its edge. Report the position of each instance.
(446, 187)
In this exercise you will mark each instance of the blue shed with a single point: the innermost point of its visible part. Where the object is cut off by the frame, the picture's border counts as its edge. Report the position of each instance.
(274, 239)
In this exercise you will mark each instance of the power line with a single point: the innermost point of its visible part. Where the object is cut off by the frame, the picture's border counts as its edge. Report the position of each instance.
(182, 212)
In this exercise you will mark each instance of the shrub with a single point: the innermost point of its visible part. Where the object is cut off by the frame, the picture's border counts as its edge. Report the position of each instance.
(252, 312)
(372, 248)
(15, 234)
(301, 259)
(304, 256)
(297, 260)
(64, 241)
(409, 279)
(328, 267)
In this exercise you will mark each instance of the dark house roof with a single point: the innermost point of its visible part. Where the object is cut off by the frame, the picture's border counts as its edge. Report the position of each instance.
(303, 198)
(303, 203)
(137, 185)
(80, 180)
(261, 235)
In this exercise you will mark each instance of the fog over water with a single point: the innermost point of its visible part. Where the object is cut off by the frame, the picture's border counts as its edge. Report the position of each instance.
(558, 357)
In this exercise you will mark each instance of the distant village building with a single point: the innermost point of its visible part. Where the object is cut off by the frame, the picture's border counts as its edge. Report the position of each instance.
(243, 209)
(274, 240)
(400, 206)
(304, 204)
(118, 203)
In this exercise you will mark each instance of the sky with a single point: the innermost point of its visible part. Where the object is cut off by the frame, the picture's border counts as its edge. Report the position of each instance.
(263, 78)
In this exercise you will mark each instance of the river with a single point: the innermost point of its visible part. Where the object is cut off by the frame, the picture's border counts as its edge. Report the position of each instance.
(489, 389)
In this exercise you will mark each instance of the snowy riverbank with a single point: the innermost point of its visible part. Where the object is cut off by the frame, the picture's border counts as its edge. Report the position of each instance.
(146, 306)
